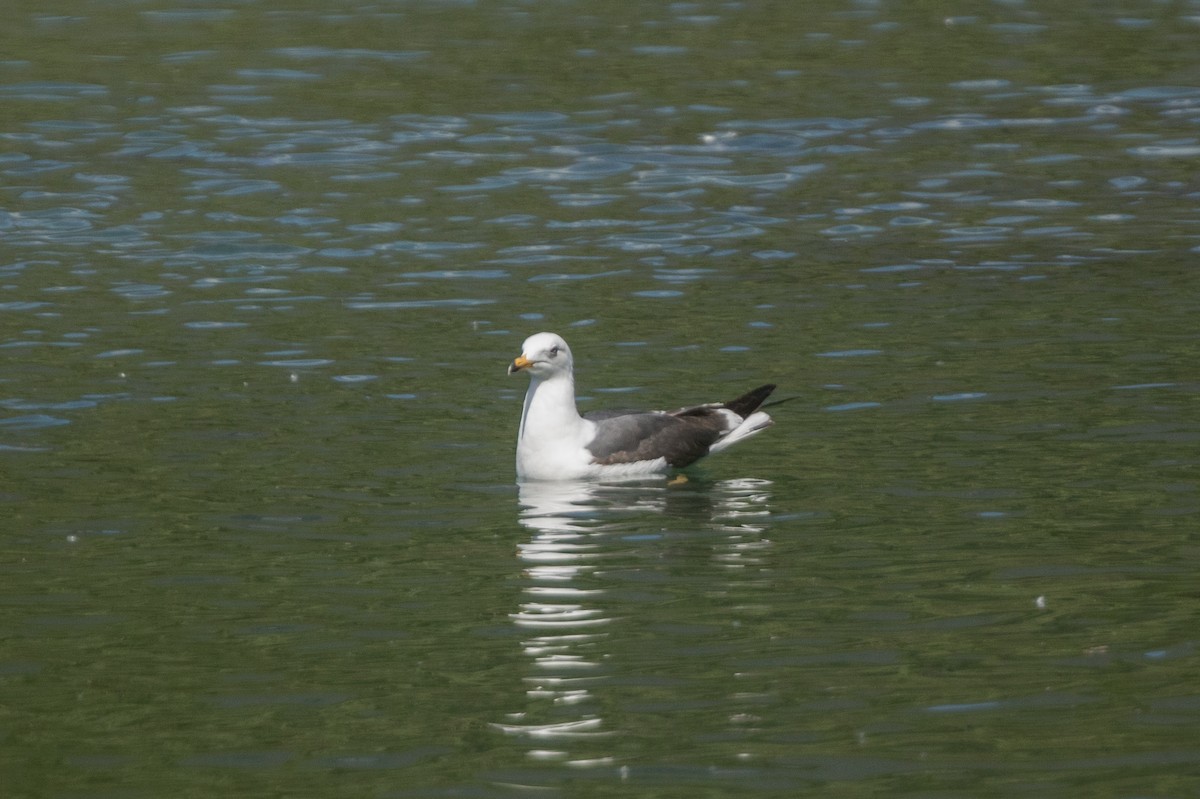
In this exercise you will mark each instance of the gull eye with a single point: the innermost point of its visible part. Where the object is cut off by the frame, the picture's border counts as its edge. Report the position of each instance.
(554, 352)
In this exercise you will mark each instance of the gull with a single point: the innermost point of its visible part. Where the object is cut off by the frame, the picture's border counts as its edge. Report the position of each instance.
(556, 443)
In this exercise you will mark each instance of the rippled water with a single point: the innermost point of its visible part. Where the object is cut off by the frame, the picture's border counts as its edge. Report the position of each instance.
(263, 266)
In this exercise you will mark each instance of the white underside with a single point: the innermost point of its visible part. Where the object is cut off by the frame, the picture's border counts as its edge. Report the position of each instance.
(565, 456)
(541, 470)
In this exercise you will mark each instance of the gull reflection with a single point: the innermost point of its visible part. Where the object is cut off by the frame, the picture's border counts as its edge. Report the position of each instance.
(579, 534)
(741, 508)
(563, 618)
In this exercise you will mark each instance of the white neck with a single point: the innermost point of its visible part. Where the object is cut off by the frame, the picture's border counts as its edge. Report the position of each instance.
(549, 406)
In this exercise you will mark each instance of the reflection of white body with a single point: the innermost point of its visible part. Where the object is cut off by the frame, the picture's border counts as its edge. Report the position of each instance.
(572, 567)
(556, 443)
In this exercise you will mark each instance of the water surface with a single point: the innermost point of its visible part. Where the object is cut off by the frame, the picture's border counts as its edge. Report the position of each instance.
(263, 266)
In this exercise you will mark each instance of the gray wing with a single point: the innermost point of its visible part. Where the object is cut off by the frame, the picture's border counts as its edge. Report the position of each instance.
(681, 436)
(628, 437)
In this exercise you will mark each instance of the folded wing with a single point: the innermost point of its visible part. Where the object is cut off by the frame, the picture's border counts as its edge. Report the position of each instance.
(679, 437)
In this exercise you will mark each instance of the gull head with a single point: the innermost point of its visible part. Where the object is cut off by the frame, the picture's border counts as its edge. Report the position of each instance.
(543, 355)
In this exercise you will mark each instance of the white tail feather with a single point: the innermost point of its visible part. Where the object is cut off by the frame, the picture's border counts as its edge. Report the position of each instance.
(752, 424)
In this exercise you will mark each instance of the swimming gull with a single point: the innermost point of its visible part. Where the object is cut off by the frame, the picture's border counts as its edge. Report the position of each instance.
(556, 443)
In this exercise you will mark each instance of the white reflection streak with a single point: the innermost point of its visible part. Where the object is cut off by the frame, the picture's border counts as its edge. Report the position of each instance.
(565, 621)
(584, 728)
(739, 505)
(566, 628)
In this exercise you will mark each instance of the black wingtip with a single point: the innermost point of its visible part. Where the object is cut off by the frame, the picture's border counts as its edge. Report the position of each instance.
(750, 402)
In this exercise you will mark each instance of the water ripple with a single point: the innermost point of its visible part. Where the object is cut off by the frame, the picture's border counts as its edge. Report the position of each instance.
(32, 421)
(396, 305)
(350, 53)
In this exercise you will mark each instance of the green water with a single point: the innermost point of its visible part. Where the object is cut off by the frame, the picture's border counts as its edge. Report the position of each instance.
(262, 267)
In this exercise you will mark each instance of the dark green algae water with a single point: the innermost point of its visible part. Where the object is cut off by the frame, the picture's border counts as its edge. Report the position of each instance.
(262, 266)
